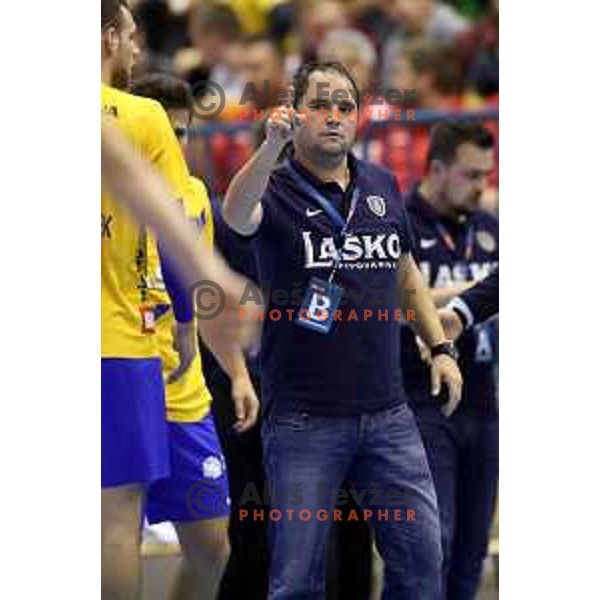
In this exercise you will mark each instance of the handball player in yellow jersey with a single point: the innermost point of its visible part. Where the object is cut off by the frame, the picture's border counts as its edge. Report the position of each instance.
(195, 497)
(134, 431)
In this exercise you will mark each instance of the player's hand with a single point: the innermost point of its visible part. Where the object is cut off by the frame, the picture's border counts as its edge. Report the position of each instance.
(231, 326)
(445, 371)
(245, 404)
(185, 343)
(280, 122)
(451, 323)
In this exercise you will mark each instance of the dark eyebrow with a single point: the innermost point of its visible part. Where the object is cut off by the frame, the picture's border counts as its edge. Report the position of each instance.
(479, 172)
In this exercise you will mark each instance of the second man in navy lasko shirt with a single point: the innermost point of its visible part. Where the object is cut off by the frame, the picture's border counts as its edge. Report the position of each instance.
(334, 250)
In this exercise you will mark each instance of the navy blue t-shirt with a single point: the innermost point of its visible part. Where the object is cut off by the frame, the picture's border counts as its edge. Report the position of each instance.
(355, 368)
(442, 266)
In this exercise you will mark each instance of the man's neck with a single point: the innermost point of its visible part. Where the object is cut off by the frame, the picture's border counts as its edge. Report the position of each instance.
(436, 201)
(336, 171)
(106, 74)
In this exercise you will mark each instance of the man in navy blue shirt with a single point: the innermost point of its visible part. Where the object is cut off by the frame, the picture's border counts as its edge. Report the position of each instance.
(456, 244)
(333, 250)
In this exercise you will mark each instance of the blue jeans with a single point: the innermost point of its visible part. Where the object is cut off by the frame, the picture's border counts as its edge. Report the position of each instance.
(308, 457)
(463, 458)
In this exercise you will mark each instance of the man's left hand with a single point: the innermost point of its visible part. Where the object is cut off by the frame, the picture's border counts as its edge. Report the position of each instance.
(445, 371)
(245, 404)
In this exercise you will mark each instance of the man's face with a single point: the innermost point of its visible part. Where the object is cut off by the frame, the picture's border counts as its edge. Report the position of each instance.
(180, 121)
(259, 63)
(464, 181)
(328, 115)
(124, 50)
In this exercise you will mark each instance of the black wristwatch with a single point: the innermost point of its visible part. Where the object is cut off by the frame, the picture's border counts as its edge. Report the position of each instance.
(447, 348)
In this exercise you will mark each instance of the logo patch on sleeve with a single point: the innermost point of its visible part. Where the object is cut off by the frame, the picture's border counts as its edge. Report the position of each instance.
(486, 240)
(377, 205)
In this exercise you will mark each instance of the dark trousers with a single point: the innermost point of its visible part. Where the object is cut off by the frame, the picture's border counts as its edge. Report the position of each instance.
(307, 457)
(463, 457)
(349, 558)
(246, 576)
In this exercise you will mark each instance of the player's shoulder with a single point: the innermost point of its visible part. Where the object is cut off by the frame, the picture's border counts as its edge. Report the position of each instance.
(487, 231)
(131, 107)
(377, 174)
(198, 186)
(280, 183)
(381, 189)
(484, 218)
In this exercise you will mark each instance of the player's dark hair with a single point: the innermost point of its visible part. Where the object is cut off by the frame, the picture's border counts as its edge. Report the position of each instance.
(111, 13)
(446, 138)
(437, 60)
(170, 91)
(303, 73)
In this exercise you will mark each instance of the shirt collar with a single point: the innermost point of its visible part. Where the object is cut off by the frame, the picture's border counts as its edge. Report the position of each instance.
(332, 186)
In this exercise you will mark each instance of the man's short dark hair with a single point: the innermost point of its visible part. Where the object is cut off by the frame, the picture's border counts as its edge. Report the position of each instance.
(303, 73)
(437, 60)
(111, 12)
(446, 138)
(171, 92)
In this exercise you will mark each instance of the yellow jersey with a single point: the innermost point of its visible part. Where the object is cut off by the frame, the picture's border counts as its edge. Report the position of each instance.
(126, 313)
(252, 14)
(188, 399)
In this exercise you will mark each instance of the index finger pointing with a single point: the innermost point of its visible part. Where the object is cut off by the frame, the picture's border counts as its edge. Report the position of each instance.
(290, 96)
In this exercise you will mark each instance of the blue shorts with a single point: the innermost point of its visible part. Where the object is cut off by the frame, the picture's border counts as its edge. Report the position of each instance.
(197, 489)
(134, 427)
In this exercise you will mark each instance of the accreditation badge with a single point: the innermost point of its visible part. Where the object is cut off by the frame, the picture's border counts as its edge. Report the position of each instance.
(322, 298)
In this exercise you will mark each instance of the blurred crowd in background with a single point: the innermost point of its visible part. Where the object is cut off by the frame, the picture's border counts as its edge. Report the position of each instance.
(445, 50)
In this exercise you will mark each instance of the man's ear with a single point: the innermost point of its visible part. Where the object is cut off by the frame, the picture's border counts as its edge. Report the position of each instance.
(437, 169)
(111, 41)
(437, 172)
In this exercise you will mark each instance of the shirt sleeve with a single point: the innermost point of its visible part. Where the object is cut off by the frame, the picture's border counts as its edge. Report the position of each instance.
(481, 302)
(196, 205)
(181, 301)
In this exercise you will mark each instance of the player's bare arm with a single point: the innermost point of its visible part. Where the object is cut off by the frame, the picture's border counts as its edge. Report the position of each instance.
(242, 209)
(243, 394)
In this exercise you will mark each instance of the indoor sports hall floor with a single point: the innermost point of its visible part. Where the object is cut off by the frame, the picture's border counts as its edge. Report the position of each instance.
(160, 566)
